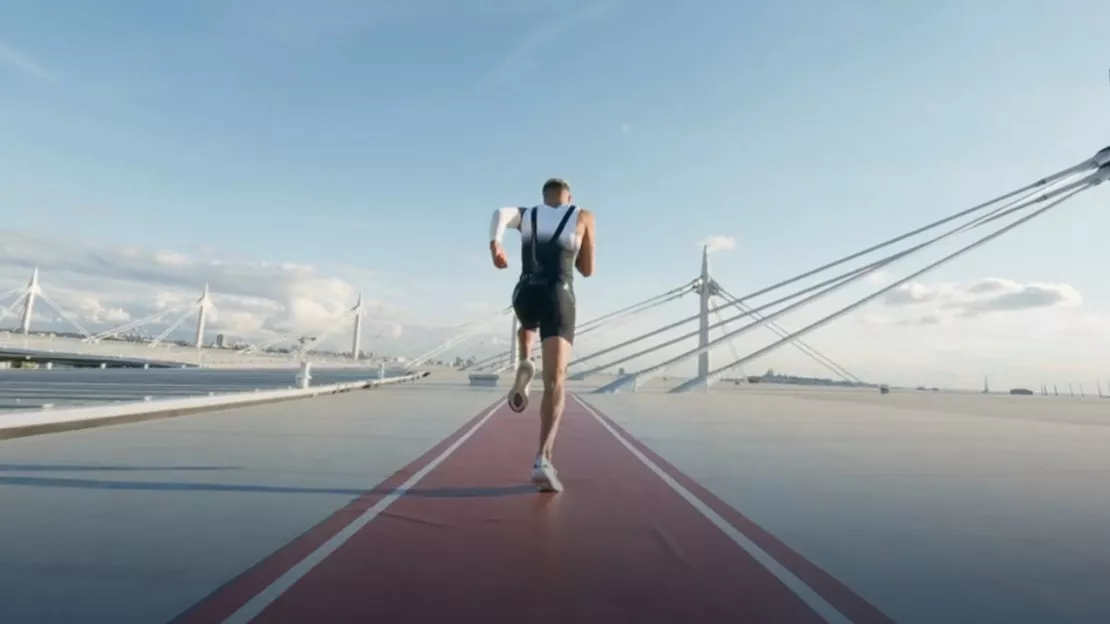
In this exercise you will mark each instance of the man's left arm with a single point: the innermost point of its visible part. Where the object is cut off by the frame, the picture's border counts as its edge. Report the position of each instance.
(503, 219)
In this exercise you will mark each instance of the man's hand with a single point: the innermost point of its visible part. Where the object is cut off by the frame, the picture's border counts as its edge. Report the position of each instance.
(500, 260)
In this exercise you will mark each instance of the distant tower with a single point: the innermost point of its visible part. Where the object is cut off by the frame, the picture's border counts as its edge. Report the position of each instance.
(986, 386)
(705, 292)
(29, 302)
(356, 342)
(202, 317)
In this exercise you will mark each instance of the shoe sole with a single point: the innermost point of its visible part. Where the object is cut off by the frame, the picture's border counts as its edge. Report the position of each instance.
(518, 396)
(518, 401)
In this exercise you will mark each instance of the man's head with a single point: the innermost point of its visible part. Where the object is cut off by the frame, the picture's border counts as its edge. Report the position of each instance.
(556, 192)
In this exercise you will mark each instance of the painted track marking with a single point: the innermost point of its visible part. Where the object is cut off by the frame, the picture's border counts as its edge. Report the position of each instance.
(274, 590)
(796, 585)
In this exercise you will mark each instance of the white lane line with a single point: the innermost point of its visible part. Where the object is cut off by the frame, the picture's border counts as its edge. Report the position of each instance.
(796, 585)
(274, 590)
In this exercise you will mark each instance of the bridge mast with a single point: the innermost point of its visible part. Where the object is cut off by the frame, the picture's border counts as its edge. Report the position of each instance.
(705, 291)
(202, 317)
(29, 302)
(356, 340)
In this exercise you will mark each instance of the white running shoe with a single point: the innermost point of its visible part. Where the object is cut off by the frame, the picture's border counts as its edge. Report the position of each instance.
(545, 476)
(518, 395)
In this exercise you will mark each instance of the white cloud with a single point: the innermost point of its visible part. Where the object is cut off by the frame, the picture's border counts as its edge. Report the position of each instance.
(718, 243)
(93, 310)
(168, 258)
(946, 302)
(909, 294)
(877, 278)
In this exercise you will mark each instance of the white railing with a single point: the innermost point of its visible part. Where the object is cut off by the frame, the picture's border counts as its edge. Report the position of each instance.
(49, 416)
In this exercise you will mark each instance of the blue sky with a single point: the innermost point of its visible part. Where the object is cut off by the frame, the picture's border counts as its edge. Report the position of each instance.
(382, 134)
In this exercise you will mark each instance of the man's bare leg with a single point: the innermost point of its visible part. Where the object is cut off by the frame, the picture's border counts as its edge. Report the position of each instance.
(556, 352)
(525, 338)
(525, 371)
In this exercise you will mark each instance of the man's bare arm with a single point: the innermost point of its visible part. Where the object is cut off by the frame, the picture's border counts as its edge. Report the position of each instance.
(585, 260)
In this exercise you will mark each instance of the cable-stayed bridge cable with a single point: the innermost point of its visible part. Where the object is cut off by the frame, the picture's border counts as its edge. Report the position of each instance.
(62, 313)
(832, 284)
(1096, 161)
(1066, 191)
(823, 288)
(597, 323)
(471, 329)
(629, 313)
(805, 348)
(691, 384)
(610, 319)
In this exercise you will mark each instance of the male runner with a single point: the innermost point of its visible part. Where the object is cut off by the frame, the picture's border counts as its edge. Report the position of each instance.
(556, 237)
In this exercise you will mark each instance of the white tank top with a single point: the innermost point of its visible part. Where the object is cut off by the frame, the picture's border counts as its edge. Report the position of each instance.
(547, 221)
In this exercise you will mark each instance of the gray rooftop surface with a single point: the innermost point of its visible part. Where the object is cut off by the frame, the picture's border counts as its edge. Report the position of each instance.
(31, 388)
(934, 507)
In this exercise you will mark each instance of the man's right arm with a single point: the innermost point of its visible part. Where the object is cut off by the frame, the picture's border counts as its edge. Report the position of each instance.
(585, 260)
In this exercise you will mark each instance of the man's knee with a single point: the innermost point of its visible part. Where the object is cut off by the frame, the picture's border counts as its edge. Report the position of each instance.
(554, 380)
(555, 353)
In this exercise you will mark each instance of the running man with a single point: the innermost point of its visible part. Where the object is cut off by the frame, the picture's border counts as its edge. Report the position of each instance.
(556, 238)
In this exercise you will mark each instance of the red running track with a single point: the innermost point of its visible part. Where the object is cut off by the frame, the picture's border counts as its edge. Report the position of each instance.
(473, 541)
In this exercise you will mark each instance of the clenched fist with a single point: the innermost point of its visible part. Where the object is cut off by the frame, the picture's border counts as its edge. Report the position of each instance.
(500, 260)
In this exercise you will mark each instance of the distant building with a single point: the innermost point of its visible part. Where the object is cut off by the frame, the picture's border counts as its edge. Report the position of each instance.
(220, 341)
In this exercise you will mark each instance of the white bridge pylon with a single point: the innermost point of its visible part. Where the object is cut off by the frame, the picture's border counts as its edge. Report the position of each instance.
(201, 306)
(1033, 200)
(26, 297)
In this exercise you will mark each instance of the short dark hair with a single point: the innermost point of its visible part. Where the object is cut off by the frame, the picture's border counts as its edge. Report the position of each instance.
(556, 183)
